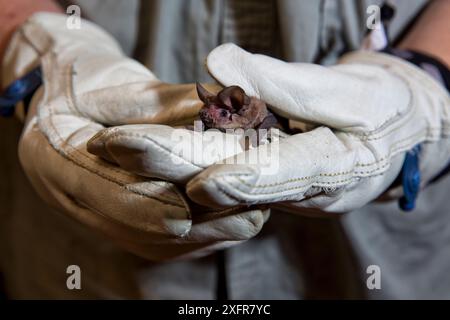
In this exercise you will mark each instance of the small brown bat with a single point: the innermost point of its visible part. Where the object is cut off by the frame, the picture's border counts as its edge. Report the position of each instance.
(231, 108)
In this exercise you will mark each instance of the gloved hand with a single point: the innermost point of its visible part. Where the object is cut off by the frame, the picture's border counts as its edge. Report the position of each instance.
(89, 84)
(370, 109)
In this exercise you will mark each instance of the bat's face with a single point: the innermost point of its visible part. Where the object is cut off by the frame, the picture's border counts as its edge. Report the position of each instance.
(221, 111)
(215, 116)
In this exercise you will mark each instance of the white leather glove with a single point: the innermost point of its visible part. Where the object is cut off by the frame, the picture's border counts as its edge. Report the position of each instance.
(370, 108)
(89, 83)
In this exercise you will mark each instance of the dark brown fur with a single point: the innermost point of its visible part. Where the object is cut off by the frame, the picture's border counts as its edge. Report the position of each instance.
(231, 108)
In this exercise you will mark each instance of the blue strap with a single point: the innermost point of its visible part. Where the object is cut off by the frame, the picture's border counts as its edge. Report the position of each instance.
(20, 89)
(410, 179)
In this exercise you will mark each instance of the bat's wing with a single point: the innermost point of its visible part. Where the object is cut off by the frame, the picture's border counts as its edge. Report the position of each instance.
(269, 122)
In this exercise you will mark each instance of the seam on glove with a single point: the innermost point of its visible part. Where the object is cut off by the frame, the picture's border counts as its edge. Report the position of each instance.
(286, 197)
(313, 183)
(77, 161)
(226, 192)
(124, 175)
(409, 111)
(123, 184)
(68, 73)
(395, 149)
(71, 102)
(400, 145)
(120, 183)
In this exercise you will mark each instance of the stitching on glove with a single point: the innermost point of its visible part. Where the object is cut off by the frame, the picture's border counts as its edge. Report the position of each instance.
(315, 183)
(174, 198)
(405, 80)
(136, 228)
(409, 112)
(70, 99)
(389, 155)
(115, 180)
(78, 162)
(307, 186)
(423, 135)
(239, 176)
(226, 193)
(202, 180)
(120, 183)
(72, 102)
(283, 198)
(68, 74)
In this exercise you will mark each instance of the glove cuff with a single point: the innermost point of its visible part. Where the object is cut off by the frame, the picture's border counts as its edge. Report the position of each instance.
(43, 32)
(50, 31)
(424, 162)
(410, 175)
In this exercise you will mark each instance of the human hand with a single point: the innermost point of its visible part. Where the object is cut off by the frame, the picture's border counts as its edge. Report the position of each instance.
(369, 110)
(88, 84)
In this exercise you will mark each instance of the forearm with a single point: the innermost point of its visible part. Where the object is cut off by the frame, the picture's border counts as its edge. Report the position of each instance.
(14, 13)
(431, 34)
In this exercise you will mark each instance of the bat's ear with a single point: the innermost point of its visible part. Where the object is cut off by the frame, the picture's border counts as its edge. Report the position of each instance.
(204, 94)
(233, 97)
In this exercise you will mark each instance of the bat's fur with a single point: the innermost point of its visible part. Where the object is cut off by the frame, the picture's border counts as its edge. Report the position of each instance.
(231, 108)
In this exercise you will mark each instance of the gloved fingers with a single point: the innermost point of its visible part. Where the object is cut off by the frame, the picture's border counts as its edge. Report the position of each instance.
(298, 167)
(93, 101)
(159, 151)
(111, 90)
(136, 212)
(347, 97)
(235, 224)
(142, 102)
(122, 91)
(67, 176)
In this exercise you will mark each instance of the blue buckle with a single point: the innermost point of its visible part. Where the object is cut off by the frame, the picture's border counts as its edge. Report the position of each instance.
(20, 89)
(410, 178)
